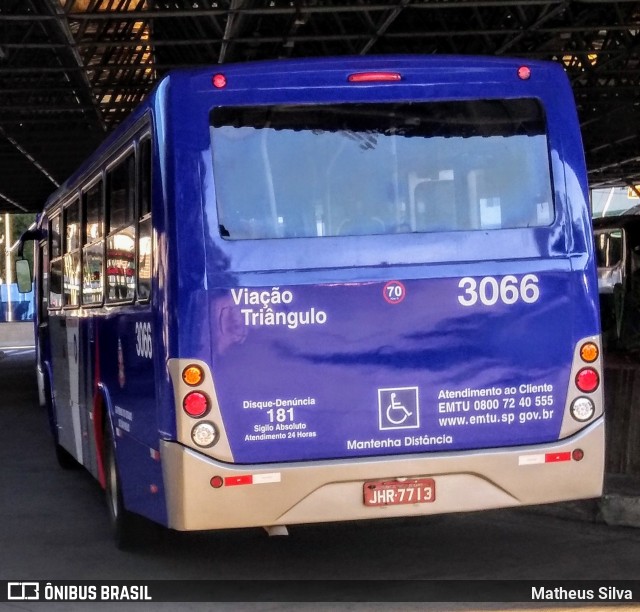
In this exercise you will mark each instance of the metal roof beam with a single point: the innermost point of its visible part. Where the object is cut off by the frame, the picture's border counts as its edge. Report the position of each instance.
(9, 200)
(533, 27)
(85, 83)
(384, 26)
(301, 38)
(232, 24)
(138, 15)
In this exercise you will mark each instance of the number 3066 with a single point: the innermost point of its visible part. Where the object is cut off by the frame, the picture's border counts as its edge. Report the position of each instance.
(144, 345)
(508, 290)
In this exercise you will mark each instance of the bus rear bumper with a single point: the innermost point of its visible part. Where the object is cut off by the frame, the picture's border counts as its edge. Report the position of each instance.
(322, 491)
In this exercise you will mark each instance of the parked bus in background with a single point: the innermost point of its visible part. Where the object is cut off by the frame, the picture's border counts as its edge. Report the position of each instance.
(617, 247)
(328, 289)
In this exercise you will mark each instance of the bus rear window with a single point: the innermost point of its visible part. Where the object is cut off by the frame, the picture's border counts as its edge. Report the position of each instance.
(290, 171)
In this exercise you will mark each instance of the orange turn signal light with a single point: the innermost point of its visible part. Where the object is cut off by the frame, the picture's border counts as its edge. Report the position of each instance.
(589, 352)
(193, 375)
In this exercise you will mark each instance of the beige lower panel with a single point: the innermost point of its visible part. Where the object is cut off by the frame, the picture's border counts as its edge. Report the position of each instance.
(322, 491)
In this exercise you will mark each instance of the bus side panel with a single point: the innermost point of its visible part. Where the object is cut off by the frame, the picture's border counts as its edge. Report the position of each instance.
(126, 371)
(85, 396)
(88, 389)
(71, 373)
(141, 478)
(166, 275)
(65, 358)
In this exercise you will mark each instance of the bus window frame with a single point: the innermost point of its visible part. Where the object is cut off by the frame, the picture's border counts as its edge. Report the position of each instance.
(144, 136)
(119, 159)
(98, 178)
(42, 275)
(56, 213)
(74, 199)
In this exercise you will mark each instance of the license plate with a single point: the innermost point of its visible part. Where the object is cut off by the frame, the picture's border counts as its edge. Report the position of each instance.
(398, 492)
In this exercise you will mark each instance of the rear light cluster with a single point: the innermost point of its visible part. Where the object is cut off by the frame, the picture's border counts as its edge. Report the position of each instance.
(219, 80)
(197, 404)
(587, 381)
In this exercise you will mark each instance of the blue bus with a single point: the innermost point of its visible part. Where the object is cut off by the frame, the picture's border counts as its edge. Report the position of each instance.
(297, 291)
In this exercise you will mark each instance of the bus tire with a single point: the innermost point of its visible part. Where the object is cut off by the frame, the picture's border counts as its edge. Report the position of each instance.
(122, 521)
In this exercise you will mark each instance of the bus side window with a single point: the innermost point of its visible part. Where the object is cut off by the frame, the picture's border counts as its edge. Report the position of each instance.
(121, 239)
(71, 277)
(93, 245)
(55, 270)
(144, 220)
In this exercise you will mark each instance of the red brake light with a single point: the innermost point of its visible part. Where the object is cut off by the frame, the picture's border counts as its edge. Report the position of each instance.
(219, 81)
(372, 77)
(524, 73)
(587, 380)
(196, 404)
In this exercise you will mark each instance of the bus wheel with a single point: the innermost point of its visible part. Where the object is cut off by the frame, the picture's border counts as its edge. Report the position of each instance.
(121, 520)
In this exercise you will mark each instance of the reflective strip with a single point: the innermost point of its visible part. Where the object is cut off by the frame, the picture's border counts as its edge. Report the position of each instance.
(556, 457)
(547, 458)
(246, 479)
(530, 459)
(266, 478)
(232, 481)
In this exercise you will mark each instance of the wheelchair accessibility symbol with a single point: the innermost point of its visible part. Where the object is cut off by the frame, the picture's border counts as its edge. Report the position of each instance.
(398, 408)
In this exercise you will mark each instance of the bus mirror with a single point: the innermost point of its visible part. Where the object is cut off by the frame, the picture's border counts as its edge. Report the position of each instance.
(23, 276)
(30, 234)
